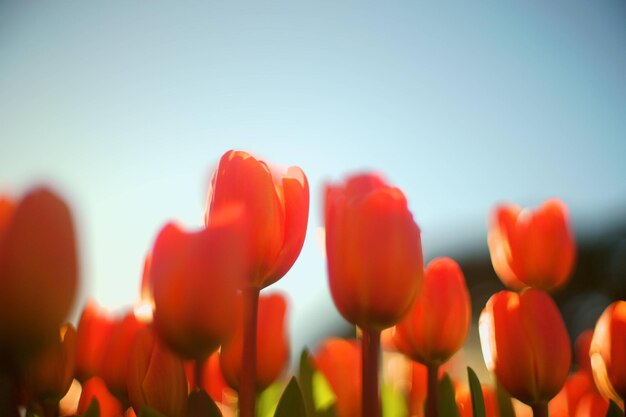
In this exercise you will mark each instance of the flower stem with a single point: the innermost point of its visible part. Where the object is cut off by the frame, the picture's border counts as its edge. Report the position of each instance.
(370, 356)
(432, 401)
(540, 410)
(247, 389)
(198, 373)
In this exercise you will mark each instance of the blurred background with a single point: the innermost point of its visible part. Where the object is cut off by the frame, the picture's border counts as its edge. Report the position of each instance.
(125, 108)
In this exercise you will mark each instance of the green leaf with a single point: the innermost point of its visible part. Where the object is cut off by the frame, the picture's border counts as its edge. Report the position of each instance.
(478, 402)
(305, 377)
(319, 398)
(614, 410)
(291, 403)
(504, 402)
(393, 402)
(200, 404)
(93, 410)
(447, 404)
(268, 400)
(150, 412)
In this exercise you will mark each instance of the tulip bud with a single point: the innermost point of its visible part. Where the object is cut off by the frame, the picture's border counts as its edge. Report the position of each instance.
(95, 388)
(48, 376)
(156, 377)
(438, 323)
(608, 352)
(38, 271)
(374, 252)
(194, 279)
(339, 361)
(92, 337)
(278, 209)
(524, 341)
(272, 345)
(532, 248)
(116, 357)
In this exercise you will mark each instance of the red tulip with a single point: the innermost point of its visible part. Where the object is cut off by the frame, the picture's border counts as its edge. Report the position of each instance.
(95, 388)
(339, 361)
(592, 404)
(48, 376)
(419, 389)
(92, 337)
(156, 377)
(194, 278)
(116, 357)
(7, 207)
(38, 271)
(278, 207)
(374, 251)
(583, 344)
(608, 352)
(438, 323)
(524, 341)
(532, 248)
(272, 345)
(464, 402)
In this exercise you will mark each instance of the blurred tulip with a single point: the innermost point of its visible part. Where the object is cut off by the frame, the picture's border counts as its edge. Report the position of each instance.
(576, 386)
(592, 404)
(278, 206)
(48, 376)
(608, 352)
(524, 341)
(38, 271)
(419, 389)
(374, 251)
(212, 379)
(116, 357)
(7, 207)
(92, 337)
(532, 248)
(156, 377)
(95, 388)
(582, 346)
(438, 322)
(339, 361)
(272, 345)
(194, 279)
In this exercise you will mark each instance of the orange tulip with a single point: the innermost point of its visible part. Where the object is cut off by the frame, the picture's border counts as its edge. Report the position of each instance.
(437, 324)
(418, 391)
(524, 341)
(532, 248)
(48, 376)
(272, 345)
(95, 388)
(156, 377)
(463, 399)
(194, 279)
(115, 363)
(592, 404)
(38, 271)
(339, 361)
(92, 337)
(374, 251)
(278, 207)
(608, 352)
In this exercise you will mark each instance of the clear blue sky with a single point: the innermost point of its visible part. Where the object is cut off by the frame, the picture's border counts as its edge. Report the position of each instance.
(125, 108)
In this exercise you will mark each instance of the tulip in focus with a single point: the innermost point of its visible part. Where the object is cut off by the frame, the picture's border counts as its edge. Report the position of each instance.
(439, 320)
(92, 337)
(608, 352)
(524, 341)
(156, 377)
(95, 388)
(374, 251)
(194, 278)
(339, 361)
(48, 376)
(38, 271)
(532, 248)
(278, 206)
(272, 345)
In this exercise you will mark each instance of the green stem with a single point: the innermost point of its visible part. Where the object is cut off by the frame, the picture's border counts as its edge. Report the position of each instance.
(432, 401)
(540, 410)
(247, 389)
(370, 362)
